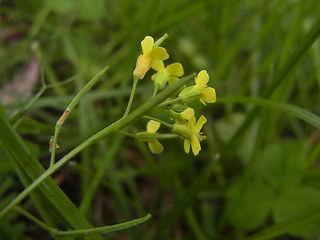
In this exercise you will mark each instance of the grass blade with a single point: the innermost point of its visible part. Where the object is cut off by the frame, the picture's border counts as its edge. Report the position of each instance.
(292, 110)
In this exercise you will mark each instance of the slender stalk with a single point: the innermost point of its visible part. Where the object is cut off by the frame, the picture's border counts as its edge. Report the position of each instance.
(114, 127)
(133, 90)
(81, 232)
(70, 107)
(34, 219)
(102, 230)
(143, 136)
(160, 40)
(14, 120)
(160, 121)
(170, 101)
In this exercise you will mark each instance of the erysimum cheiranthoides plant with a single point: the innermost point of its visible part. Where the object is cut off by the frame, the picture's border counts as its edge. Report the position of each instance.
(170, 95)
(186, 126)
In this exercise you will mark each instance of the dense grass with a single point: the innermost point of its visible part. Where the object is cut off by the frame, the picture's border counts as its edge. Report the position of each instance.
(257, 176)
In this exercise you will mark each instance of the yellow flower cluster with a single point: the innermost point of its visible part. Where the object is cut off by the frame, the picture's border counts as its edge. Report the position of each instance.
(185, 123)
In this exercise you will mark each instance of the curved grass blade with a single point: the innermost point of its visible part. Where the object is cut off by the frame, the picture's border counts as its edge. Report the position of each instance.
(285, 226)
(292, 110)
(84, 232)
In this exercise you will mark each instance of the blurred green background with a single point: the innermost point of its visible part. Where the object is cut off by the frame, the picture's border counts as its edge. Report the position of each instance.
(267, 168)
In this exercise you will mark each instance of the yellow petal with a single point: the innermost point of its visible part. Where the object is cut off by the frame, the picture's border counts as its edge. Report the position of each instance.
(188, 113)
(157, 65)
(155, 146)
(186, 145)
(202, 120)
(192, 122)
(159, 53)
(202, 78)
(147, 45)
(209, 95)
(153, 126)
(172, 80)
(195, 145)
(175, 69)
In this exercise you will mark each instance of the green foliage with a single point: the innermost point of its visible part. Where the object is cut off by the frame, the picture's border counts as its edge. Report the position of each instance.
(297, 201)
(254, 202)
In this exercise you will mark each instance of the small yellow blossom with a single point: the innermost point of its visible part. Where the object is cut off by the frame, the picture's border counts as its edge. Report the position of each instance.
(168, 74)
(181, 117)
(149, 54)
(208, 94)
(188, 113)
(199, 90)
(154, 145)
(190, 132)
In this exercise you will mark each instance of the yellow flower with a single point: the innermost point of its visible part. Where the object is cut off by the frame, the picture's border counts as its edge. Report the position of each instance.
(154, 145)
(188, 113)
(181, 117)
(149, 54)
(199, 90)
(208, 94)
(168, 74)
(190, 132)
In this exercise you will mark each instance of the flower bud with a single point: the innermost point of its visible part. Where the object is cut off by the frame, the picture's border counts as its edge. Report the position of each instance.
(142, 67)
(160, 79)
(189, 94)
(178, 107)
(182, 130)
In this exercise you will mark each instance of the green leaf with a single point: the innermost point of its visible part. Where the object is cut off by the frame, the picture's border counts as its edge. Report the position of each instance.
(226, 127)
(254, 205)
(281, 164)
(298, 201)
(290, 109)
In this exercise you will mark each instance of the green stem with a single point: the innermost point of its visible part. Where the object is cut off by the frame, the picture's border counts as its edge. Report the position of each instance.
(81, 232)
(70, 107)
(170, 101)
(148, 136)
(144, 136)
(102, 230)
(34, 219)
(14, 120)
(160, 121)
(133, 135)
(115, 127)
(133, 90)
(160, 40)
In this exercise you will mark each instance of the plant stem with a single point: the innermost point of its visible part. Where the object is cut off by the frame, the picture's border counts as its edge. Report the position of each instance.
(114, 127)
(160, 121)
(133, 90)
(170, 101)
(81, 232)
(70, 107)
(160, 40)
(143, 136)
